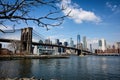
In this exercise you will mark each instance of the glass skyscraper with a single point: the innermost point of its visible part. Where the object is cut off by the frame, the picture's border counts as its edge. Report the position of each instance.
(71, 43)
(57, 41)
(102, 44)
(84, 43)
(78, 41)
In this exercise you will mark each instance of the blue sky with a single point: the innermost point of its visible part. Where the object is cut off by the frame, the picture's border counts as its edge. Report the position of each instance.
(105, 23)
(94, 19)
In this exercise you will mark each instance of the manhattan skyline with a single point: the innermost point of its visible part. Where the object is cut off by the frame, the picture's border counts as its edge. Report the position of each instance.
(103, 21)
(90, 18)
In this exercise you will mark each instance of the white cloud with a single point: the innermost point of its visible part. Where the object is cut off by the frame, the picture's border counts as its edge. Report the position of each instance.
(92, 41)
(14, 36)
(115, 8)
(60, 37)
(78, 14)
(6, 27)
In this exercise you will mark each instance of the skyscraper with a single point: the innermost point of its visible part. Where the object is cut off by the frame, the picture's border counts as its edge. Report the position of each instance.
(84, 43)
(56, 48)
(47, 41)
(102, 44)
(71, 43)
(65, 43)
(57, 41)
(78, 41)
(91, 47)
(118, 45)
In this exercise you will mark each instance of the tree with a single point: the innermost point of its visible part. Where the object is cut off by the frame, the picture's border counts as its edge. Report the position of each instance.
(16, 11)
(14, 46)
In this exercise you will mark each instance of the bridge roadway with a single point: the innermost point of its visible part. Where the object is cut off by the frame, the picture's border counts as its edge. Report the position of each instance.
(36, 43)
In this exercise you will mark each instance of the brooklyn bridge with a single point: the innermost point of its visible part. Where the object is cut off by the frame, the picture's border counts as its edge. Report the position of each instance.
(26, 41)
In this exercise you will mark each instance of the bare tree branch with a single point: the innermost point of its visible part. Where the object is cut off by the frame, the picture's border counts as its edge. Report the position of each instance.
(17, 11)
(14, 46)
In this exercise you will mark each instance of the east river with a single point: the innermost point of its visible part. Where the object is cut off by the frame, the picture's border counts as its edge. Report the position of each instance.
(73, 68)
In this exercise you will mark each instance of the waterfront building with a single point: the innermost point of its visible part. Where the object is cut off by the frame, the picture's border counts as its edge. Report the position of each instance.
(35, 50)
(102, 44)
(47, 49)
(113, 47)
(118, 45)
(40, 48)
(84, 43)
(108, 46)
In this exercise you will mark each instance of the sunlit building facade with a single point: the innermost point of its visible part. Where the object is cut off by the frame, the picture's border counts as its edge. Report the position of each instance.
(84, 43)
(71, 43)
(102, 44)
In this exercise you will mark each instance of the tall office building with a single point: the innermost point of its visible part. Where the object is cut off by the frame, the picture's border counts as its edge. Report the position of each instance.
(117, 45)
(47, 41)
(65, 43)
(91, 47)
(78, 41)
(102, 44)
(71, 43)
(84, 43)
(57, 41)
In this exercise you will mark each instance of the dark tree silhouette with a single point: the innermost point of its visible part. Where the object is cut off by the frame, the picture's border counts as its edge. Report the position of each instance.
(16, 11)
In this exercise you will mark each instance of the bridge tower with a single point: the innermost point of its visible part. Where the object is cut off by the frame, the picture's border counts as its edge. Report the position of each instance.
(26, 40)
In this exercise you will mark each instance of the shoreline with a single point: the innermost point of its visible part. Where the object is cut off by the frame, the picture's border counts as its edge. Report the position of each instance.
(23, 79)
(12, 57)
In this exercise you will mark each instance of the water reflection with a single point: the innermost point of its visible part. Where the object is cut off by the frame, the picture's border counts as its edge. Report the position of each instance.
(25, 68)
(74, 68)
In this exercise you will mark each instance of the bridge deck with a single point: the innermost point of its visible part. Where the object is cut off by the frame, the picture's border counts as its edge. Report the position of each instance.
(36, 43)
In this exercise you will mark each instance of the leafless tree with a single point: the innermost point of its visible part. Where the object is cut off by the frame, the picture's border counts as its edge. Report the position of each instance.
(14, 46)
(16, 11)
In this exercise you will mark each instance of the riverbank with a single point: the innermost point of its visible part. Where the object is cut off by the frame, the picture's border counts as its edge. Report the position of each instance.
(108, 54)
(10, 57)
(23, 79)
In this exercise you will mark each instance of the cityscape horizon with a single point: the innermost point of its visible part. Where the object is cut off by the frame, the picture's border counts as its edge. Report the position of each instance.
(59, 39)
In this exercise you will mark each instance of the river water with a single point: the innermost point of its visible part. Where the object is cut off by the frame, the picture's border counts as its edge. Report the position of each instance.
(73, 68)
